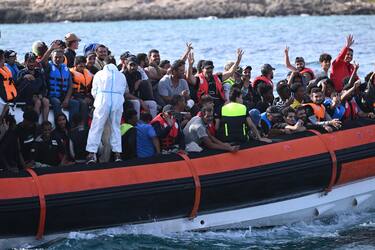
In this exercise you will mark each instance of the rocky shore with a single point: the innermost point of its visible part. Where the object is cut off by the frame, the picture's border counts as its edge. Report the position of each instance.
(28, 11)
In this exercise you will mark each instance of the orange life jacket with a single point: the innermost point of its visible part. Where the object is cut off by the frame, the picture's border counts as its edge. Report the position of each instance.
(261, 78)
(81, 82)
(319, 110)
(8, 83)
(203, 86)
(307, 70)
(170, 139)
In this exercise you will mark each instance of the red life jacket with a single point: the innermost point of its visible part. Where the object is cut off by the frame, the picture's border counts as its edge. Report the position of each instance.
(261, 78)
(203, 86)
(351, 110)
(307, 70)
(170, 139)
(210, 127)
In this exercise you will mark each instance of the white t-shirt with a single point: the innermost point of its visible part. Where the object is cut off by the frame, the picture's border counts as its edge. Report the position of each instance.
(143, 73)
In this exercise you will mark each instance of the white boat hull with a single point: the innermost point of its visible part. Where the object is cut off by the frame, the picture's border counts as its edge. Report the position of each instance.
(353, 197)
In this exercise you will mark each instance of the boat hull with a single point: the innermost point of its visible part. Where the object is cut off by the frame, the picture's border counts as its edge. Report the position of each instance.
(355, 197)
(212, 189)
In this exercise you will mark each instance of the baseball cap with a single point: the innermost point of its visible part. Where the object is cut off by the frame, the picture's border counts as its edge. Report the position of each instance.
(248, 67)
(239, 70)
(125, 55)
(9, 53)
(207, 64)
(132, 59)
(299, 59)
(39, 48)
(266, 68)
(70, 37)
(30, 55)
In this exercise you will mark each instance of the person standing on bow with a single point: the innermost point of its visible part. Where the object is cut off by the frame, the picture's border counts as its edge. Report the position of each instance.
(108, 89)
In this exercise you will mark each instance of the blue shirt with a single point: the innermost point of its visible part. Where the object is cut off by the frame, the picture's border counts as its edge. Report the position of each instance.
(145, 133)
(14, 69)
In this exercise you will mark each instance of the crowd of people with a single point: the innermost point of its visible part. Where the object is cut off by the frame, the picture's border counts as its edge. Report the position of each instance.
(144, 106)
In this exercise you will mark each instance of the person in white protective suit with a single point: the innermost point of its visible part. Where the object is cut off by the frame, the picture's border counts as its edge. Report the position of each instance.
(108, 88)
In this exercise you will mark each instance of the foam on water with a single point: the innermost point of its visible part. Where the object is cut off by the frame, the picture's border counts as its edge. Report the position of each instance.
(335, 232)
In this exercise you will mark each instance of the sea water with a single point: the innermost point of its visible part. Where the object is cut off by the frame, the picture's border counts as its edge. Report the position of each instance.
(263, 40)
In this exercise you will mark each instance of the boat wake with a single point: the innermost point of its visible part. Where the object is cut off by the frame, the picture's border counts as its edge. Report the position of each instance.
(343, 231)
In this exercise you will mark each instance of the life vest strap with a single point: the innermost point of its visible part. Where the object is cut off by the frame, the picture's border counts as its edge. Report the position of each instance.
(333, 159)
(197, 183)
(42, 204)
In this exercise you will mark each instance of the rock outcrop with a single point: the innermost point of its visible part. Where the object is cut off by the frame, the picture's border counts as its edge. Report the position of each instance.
(27, 11)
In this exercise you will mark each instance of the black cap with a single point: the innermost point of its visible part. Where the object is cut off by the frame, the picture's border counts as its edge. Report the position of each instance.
(9, 53)
(30, 55)
(132, 59)
(266, 68)
(207, 64)
(299, 59)
(125, 55)
(239, 70)
(248, 67)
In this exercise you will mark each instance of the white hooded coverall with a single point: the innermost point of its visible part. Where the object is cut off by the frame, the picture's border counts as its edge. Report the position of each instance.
(108, 88)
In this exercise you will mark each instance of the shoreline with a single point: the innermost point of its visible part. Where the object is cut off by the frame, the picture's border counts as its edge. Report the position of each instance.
(203, 18)
(43, 11)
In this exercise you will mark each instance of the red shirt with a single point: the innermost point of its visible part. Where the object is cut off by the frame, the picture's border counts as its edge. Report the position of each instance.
(341, 70)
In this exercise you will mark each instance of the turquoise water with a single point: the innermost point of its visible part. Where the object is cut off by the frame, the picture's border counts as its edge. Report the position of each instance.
(263, 40)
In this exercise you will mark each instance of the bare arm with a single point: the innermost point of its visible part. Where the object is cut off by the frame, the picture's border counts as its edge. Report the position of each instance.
(212, 143)
(346, 94)
(189, 48)
(230, 72)
(287, 61)
(353, 76)
(291, 77)
(46, 55)
(189, 73)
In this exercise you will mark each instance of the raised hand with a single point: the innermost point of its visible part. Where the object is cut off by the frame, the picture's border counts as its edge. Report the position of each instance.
(349, 41)
(286, 50)
(356, 66)
(191, 58)
(240, 53)
(189, 46)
